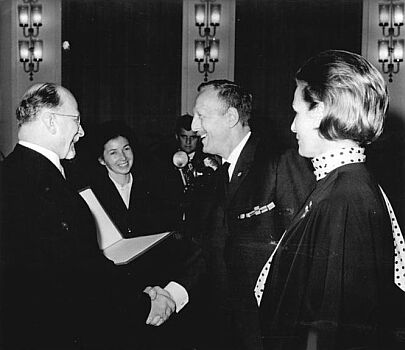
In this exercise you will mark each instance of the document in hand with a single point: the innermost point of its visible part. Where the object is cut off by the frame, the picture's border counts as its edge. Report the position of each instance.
(119, 250)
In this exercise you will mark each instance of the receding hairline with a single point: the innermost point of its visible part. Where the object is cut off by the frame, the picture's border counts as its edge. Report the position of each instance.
(64, 95)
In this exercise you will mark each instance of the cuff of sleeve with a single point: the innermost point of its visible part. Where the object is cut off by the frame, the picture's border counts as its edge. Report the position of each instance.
(178, 293)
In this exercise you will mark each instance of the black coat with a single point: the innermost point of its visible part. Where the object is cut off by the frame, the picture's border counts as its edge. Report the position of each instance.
(57, 289)
(237, 245)
(331, 282)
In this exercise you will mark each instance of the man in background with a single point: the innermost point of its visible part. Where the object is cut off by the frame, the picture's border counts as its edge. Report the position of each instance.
(187, 138)
(239, 218)
(183, 167)
(58, 291)
(199, 163)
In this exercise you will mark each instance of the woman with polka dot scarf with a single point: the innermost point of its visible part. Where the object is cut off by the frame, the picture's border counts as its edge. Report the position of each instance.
(337, 279)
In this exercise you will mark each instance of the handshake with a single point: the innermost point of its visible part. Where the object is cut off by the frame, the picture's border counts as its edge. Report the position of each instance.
(162, 305)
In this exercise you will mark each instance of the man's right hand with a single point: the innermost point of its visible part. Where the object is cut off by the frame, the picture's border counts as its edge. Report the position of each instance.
(162, 305)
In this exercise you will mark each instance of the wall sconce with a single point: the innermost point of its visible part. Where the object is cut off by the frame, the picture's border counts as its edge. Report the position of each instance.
(30, 51)
(390, 50)
(207, 19)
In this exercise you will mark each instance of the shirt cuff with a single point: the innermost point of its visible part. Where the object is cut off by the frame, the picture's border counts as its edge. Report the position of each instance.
(178, 293)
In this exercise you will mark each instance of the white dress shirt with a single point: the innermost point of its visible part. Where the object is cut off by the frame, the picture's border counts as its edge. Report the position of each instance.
(124, 190)
(234, 156)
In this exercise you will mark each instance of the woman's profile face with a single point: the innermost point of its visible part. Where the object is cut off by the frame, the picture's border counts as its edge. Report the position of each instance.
(305, 126)
(117, 156)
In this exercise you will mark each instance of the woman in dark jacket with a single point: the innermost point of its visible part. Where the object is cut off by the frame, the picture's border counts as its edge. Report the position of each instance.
(126, 186)
(336, 279)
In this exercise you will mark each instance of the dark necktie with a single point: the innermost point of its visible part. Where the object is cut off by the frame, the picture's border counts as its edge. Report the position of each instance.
(225, 176)
(225, 167)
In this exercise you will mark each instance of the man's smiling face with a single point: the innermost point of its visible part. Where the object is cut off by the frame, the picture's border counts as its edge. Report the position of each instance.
(210, 122)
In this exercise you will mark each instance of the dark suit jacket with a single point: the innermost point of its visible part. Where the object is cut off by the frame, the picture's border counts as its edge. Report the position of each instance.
(57, 289)
(236, 243)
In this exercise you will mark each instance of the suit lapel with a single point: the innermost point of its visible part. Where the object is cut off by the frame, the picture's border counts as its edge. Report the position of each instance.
(116, 197)
(243, 166)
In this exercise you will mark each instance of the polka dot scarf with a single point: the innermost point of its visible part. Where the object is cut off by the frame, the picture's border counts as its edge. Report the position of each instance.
(259, 288)
(323, 165)
(329, 161)
(399, 247)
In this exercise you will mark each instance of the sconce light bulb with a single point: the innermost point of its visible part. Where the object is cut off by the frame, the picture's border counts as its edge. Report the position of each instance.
(23, 17)
(36, 15)
(38, 49)
(384, 14)
(199, 14)
(399, 14)
(398, 52)
(214, 50)
(199, 50)
(24, 50)
(215, 14)
(383, 50)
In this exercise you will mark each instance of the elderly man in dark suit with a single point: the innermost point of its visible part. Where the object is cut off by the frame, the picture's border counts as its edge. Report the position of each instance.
(57, 289)
(240, 218)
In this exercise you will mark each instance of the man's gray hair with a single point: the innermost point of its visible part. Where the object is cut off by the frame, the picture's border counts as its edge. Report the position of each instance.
(36, 98)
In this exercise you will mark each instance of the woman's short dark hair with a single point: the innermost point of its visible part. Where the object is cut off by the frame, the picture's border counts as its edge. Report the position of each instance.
(36, 98)
(353, 91)
(111, 130)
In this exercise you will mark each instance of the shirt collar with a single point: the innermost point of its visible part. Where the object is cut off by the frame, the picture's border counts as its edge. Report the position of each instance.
(191, 155)
(52, 156)
(328, 161)
(119, 186)
(234, 156)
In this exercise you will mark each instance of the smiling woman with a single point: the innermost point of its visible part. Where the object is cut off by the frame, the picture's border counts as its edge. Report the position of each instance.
(123, 183)
(118, 159)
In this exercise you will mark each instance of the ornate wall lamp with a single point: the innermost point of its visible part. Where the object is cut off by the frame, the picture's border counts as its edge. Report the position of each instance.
(207, 19)
(30, 51)
(390, 50)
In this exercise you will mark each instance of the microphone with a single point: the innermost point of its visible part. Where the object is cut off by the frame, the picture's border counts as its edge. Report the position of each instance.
(180, 160)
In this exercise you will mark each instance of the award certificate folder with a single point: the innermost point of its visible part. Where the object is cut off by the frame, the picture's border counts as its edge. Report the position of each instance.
(119, 250)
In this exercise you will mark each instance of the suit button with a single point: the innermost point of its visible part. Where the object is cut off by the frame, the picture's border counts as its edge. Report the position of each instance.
(65, 225)
(129, 230)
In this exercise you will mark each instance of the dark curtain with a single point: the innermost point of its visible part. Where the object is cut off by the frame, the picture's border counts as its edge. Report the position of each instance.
(124, 61)
(274, 37)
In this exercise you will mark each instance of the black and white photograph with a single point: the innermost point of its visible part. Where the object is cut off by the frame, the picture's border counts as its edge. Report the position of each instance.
(202, 175)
